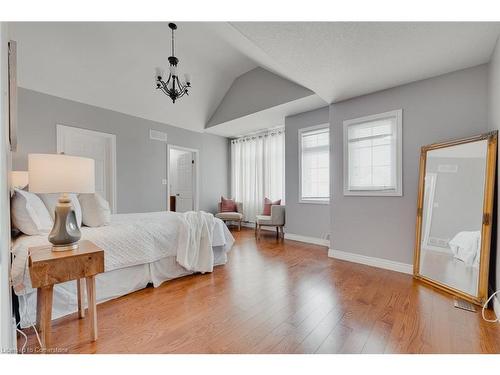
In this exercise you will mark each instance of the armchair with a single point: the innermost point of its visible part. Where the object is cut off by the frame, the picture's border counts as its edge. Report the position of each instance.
(231, 216)
(277, 219)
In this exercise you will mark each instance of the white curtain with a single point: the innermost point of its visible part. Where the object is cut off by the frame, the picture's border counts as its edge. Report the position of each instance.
(258, 170)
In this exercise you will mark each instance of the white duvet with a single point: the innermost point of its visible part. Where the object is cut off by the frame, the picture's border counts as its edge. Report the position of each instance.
(194, 250)
(133, 239)
(466, 246)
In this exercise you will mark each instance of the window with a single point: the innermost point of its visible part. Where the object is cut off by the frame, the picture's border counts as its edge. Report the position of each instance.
(314, 164)
(258, 170)
(372, 155)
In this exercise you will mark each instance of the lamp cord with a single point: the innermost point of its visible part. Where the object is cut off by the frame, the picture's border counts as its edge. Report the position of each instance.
(26, 315)
(484, 308)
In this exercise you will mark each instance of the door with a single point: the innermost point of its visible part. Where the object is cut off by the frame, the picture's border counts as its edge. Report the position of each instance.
(182, 175)
(95, 145)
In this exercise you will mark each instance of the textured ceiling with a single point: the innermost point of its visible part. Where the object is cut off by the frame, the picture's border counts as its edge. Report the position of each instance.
(340, 60)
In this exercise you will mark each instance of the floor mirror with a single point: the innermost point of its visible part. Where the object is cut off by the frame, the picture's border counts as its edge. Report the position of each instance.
(454, 215)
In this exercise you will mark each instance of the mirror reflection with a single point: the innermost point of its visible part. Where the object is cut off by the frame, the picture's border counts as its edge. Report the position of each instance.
(452, 215)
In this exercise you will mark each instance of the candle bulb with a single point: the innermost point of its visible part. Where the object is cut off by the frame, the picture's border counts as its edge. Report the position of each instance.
(159, 73)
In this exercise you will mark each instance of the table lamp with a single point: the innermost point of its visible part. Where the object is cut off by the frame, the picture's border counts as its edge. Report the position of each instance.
(59, 173)
(19, 179)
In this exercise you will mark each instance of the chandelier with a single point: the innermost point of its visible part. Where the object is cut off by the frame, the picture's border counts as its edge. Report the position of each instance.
(173, 87)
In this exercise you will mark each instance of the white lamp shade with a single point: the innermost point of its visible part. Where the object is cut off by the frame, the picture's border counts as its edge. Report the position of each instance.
(19, 179)
(53, 173)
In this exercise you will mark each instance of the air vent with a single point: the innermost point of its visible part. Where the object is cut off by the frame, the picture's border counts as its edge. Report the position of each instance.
(447, 168)
(439, 242)
(157, 135)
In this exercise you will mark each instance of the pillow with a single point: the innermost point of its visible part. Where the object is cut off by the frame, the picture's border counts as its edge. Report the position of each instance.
(95, 210)
(227, 205)
(29, 214)
(50, 201)
(267, 206)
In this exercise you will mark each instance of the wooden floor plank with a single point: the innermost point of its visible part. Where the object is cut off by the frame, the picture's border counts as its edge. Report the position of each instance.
(278, 296)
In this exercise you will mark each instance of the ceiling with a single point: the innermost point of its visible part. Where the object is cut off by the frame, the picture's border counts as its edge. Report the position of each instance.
(112, 65)
(341, 60)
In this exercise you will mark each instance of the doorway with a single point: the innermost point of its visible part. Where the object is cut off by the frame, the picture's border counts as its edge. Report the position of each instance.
(94, 145)
(182, 184)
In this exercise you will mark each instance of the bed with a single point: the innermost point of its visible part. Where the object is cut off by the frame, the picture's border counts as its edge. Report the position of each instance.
(139, 249)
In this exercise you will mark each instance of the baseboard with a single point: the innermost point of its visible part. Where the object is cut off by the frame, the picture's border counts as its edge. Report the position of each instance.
(306, 239)
(371, 261)
(252, 225)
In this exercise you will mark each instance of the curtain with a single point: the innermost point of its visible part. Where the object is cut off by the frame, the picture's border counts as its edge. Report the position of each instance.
(258, 170)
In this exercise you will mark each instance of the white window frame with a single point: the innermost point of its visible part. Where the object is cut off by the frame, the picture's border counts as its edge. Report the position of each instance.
(299, 141)
(398, 192)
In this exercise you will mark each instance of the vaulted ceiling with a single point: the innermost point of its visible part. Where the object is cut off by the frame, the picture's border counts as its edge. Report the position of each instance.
(112, 65)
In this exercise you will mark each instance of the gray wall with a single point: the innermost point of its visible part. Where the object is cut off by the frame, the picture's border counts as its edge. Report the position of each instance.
(458, 196)
(141, 162)
(441, 108)
(305, 219)
(494, 124)
(255, 91)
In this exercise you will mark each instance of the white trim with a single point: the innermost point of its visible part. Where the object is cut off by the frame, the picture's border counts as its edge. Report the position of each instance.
(430, 203)
(196, 153)
(60, 129)
(398, 192)
(318, 201)
(371, 261)
(306, 239)
(299, 143)
(7, 342)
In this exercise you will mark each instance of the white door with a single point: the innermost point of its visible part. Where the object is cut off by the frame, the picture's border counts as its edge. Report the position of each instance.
(95, 145)
(185, 174)
(182, 179)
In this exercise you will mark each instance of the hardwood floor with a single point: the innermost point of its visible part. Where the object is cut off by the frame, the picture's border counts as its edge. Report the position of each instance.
(282, 297)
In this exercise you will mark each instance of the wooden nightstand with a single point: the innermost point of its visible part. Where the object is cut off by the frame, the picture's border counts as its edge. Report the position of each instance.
(48, 268)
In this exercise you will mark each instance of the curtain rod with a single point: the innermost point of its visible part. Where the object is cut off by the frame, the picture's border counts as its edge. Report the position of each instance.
(265, 133)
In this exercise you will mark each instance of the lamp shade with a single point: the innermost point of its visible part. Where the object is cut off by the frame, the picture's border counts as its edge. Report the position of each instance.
(57, 173)
(19, 179)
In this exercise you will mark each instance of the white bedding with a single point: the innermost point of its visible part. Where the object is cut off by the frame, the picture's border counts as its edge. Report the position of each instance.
(130, 240)
(466, 247)
(195, 242)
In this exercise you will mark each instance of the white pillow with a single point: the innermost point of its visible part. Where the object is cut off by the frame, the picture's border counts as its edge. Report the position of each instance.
(95, 210)
(29, 214)
(50, 201)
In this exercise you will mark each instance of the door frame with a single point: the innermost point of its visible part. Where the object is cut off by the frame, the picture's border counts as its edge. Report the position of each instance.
(196, 175)
(428, 217)
(61, 129)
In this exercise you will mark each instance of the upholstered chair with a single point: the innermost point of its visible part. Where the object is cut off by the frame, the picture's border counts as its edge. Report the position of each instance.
(276, 219)
(231, 216)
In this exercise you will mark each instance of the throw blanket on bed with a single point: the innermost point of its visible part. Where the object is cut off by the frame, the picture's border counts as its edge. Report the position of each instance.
(194, 249)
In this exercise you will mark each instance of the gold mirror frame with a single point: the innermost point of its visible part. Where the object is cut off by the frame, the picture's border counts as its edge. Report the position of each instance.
(489, 186)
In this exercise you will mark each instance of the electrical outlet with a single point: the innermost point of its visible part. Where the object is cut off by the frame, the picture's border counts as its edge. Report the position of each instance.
(164, 181)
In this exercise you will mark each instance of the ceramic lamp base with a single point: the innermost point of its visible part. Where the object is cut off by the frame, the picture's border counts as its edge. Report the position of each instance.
(66, 247)
(65, 233)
